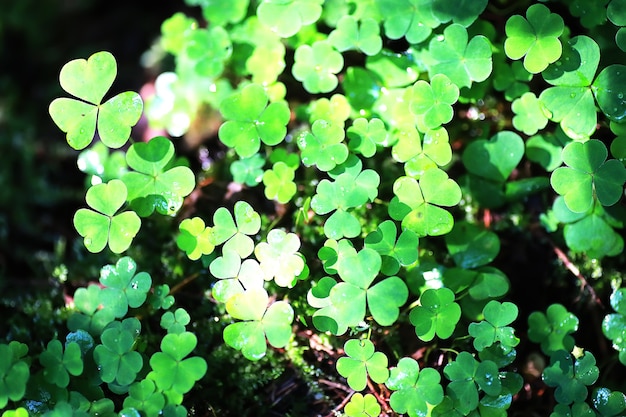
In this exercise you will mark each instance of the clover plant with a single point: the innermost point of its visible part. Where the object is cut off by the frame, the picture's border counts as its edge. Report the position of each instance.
(362, 362)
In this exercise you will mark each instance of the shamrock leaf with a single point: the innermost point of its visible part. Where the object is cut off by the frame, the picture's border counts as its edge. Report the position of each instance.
(335, 110)
(362, 406)
(194, 238)
(419, 156)
(279, 183)
(570, 376)
(102, 165)
(248, 171)
(463, 12)
(174, 32)
(234, 275)
(323, 146)
(412, 19)
(588, 176)
(122, 287)
(535, 38)
(432, 103)
(394, 253)
(494, 327)
(609, 92)
(89, 80)
(614, 325)
(461, 61)
(545, 149)
(529, 117)
(175, 322)
(364, 136)
(472, 246)
(609, 403)
(570, 101)
(250, 120)
(437, 314)
(260, 321)
(59, 364)
(235, 232)
(362, 361)
(116, 358)
(315, 66)
(287, 17)
(416, 203)
(152, 186)
(553, 329)
(466, 376)
(143, 396)
(14, 374)
(214, 12)
(172, 373)
(416, 392)
(279, 257)
(207, 50)
(350, 35)
(89, 317)
(496, 158)
(101, 225)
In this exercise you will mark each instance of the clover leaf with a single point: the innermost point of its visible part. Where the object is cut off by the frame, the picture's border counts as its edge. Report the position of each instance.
(279, 183)
(570, 376)
(466, 376)
(194, 238)
(416, 391)
(437, 314)
(250, 120)
(347, 300)
(161, 298)
(18, 412)
(432, 103)
(59, 364)
(610, 93)
(362, 361)
(286, 17)
(365, 135)
(259, 322)
(116, 358)
(463, 12)
(461, 61)
(89, 80)
(14, 373)
(494, 327)
(614, 324)
(529, 117)
(416, 203)
(472, 246)
(207, 50)
(496, 158)
(511, 78)
(248, 171)
(419, 156)
(143, 396)
(609, 403)
(123, 287)
(350, 35)
(348, 190)
(362, 406)
(175, 322)
(323, 146)
(588, 176)
(411, 19)
(172, 373)
(545, 149)
(234, 275)
(174, 31)
(235, 232)
(152, 186)
(570, 102)
(394, 253)
(315, 66)
(102, 226)
(214, 12)
(102, 165)
(279, 257)
(335, 110)
(89, 317)
(536, 37)
(553, 329)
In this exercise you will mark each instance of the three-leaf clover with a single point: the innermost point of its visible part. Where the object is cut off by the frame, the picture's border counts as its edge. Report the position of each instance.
(279, 183)
(89, 80)
(194, 238)
(250, 120)
(432, 151)
(536, 37)
(315, 66)
(416, 203)
(365, 135)
(350, 35)
(609, 403)
(494, 327)
(362, 406)
(153, 185)
(259, 322)
(58, 363)
(144, 396)
(103, 225)
(394, 253)
(90, 317)
(416, 391)
(323, 146)
(235, 232)
(116, 358)
(208, 49)
(432, 103)
(286, 17)
(234, 275)
(588, 176)
(472, 246)
(529, 117)
(412, 19)
(248, 171)
(553, 329)
(175, 322)
(437, 314)
(14, 372)
(614, 324)
(609, 91)
(570, 376)
(362, 361)
(279, 257)
(123, 287)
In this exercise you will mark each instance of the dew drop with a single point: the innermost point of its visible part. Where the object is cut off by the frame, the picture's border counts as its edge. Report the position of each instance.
(134, 285)
(620, 96)
(87, 241)
(572, 95)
